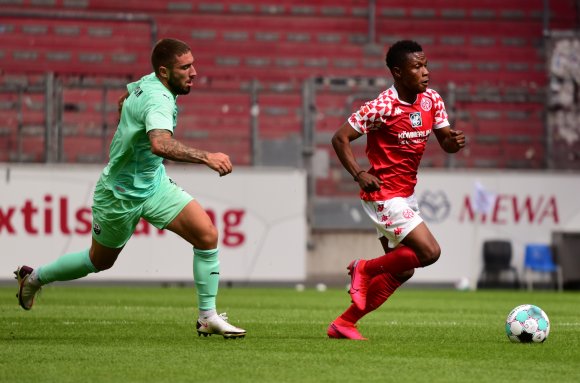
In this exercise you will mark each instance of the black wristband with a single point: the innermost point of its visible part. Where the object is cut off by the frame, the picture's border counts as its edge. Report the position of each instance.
(357, 174)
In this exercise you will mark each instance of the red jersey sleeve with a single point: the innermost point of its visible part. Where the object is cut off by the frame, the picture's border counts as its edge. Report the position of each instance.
(440, 118)
(369, 116)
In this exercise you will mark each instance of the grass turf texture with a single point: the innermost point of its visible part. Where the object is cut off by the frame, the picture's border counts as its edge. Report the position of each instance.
(78, 333)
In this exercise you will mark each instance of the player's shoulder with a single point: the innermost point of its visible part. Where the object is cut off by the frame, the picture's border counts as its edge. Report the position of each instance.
(152, 85)
(432, 94)
(385, 99)
(154, 90)
(384, 103)
(389, 94)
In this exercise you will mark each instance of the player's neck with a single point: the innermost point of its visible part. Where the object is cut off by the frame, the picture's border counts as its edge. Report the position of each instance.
(408, 97)
(166, 84)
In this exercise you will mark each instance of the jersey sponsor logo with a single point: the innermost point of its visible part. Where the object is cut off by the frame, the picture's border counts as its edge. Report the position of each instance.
(426, 104)
(416, 120)
(415, 137)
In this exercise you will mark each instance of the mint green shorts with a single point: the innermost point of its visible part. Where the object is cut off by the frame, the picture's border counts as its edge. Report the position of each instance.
(115, 220)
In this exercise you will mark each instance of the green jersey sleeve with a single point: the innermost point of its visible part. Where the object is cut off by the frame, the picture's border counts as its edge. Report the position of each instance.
(160, 114)
(133, 171)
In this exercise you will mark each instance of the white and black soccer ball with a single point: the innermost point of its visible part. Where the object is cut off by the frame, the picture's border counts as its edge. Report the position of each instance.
(527, 324)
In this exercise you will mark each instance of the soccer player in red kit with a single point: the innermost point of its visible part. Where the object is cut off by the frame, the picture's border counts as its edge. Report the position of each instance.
(397, 124)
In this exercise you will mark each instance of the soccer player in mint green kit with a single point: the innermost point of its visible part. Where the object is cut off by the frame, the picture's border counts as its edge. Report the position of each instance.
(134, 185)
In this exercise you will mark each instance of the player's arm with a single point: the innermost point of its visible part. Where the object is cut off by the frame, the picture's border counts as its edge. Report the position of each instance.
(164, 145)
(121, 100)
(341, 144)
(450, 140)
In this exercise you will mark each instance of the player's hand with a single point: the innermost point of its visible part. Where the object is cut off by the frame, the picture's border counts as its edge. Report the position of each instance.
(457, 138)
(220, 162)
(369, 183)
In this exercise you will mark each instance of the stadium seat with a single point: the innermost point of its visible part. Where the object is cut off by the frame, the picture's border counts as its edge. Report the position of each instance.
(84, 149)
(497, 257)
(538, 259)
(497, 69)
(70, 47)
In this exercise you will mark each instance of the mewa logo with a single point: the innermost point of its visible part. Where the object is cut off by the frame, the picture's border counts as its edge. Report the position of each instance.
(512, 208)
(507, 209)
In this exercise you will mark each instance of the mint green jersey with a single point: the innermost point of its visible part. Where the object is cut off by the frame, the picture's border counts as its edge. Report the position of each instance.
(133, 172)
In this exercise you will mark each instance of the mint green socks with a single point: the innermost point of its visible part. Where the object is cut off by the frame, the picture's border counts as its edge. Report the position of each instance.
(206, 272)
(67, 267)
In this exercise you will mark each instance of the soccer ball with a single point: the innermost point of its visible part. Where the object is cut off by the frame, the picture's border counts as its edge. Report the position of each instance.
(526, 324)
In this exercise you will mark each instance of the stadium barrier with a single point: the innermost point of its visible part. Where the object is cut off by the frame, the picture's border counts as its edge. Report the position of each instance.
(261, 216)
(45, 212)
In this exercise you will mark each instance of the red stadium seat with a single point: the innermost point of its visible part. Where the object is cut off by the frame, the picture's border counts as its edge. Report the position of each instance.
(287, 42)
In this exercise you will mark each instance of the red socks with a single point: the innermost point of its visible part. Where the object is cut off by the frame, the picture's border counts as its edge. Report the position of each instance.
(380, 289)
(383, 284)
(400, 259)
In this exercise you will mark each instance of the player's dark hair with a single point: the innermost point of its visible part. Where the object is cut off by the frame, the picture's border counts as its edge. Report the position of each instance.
(166, 52)
(398, 52)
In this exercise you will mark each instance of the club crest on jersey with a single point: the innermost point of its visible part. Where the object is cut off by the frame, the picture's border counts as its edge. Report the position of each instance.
(416, 120)
(426, 104)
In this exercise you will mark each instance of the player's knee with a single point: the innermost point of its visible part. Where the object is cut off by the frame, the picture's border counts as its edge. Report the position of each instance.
(103, 260)
(102, 264)
(208, 239)
(430, 254)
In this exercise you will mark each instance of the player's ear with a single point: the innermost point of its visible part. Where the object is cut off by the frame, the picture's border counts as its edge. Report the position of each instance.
(396, 72)
(163, 72)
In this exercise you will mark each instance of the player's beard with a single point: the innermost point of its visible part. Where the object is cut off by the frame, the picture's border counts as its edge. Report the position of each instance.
(176, 87)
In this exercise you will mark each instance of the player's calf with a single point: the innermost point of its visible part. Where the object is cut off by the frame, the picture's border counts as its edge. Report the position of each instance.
(359, 283)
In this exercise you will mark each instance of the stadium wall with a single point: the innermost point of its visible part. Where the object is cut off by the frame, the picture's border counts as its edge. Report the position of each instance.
(261, 217)
(463, 208)
(45, 212)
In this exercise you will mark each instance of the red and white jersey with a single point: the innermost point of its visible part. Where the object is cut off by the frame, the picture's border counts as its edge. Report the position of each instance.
(397, 133)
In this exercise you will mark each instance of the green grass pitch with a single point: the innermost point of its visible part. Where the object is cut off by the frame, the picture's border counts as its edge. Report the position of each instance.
(81, 333)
